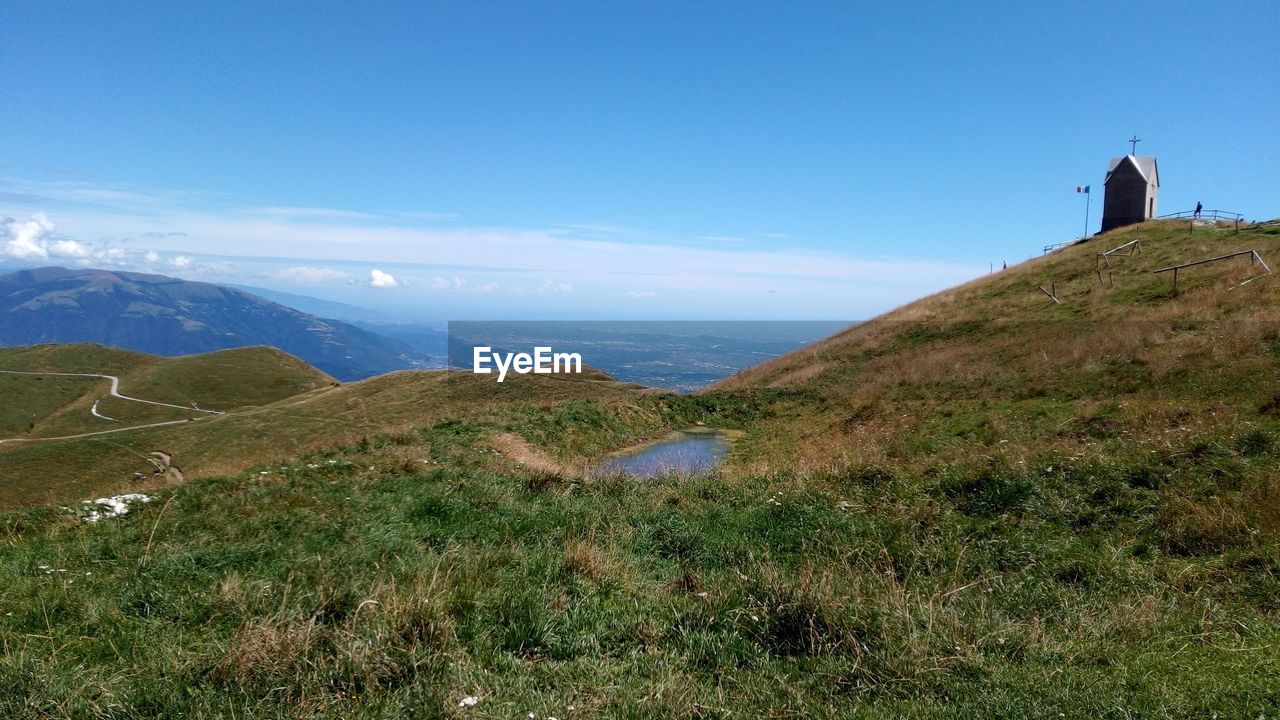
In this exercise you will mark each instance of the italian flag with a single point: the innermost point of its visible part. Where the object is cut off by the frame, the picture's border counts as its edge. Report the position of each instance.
(1083, 189)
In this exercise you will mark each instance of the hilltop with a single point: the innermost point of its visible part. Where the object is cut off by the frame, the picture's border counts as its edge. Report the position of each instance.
(996, 366)
(986, 503)
(224, 380)
(168, 316)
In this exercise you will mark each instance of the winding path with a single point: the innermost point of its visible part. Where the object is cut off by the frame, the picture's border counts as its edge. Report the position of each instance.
(115, 389)
(95, 412)
(115, 392)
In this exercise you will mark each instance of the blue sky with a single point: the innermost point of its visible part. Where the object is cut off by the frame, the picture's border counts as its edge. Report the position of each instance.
(709, 160)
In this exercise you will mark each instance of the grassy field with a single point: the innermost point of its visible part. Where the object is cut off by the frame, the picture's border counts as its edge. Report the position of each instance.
(43, 406)
(32, 400)
(985, 504)
(325, 417)
(220, 380)
(49, 406)
(398, 576)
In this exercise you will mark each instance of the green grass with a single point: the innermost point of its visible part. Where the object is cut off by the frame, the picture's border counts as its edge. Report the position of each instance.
(30, 400)
(227, 379)
(329, 416)
(52, 406)
(220, 380)
(74, 358)
(55, 406)
(354, 584)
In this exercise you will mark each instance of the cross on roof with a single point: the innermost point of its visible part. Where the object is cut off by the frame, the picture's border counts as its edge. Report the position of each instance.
(1134, 142)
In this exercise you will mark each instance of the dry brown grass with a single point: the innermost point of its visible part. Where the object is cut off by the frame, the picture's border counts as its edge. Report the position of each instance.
(266, 649)
(1012, 366)
(518, 450)
(798, 376)
(1191, 526)
(584, 558)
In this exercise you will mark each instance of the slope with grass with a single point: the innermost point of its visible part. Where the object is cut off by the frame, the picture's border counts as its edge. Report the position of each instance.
(1121, 364)
(275, 408)
(45, 398)
(985, 504)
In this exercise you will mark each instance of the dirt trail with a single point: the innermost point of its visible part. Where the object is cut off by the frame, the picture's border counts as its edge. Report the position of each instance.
(115, 392)
(115, 389)
(94, 411)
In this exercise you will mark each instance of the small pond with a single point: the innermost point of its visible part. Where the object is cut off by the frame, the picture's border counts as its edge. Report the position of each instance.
(687, 452)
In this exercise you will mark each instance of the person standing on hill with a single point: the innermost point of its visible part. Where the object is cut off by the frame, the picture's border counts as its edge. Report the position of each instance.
(1198, 207)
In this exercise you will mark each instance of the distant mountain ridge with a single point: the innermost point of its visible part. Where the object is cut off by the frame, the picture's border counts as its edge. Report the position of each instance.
(314, 305)
(169, 316)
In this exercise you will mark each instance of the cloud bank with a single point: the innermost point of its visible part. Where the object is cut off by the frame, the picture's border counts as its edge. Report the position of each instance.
(34, 239)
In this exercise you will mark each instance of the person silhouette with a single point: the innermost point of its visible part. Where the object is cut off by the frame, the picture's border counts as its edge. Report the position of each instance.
(1198, 208)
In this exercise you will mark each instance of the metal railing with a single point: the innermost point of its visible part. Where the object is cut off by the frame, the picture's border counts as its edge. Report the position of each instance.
(1214, 215)
(1058, 246)
(1205, 215)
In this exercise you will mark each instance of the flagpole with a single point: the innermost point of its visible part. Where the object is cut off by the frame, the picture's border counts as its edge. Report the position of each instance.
(1088, 199)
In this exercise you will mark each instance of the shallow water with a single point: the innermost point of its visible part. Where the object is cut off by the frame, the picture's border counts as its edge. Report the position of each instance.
(685, 451)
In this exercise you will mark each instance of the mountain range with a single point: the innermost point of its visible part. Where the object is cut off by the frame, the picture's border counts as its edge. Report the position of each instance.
(168, 316)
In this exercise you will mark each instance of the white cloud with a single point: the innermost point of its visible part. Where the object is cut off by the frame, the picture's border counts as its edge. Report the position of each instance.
(313, 213)
(108, 256)
(313, 275)
(69, 249)
(551, 287)
(152, 257)
(33, 240)
(487, 287)
(27, 240)
(450, 283)
(181, 262)
(379, 279)
(639, 294)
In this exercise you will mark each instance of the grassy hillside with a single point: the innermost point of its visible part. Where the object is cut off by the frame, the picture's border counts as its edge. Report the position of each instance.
(74, 358)
(46, 406)
(52, 406)
(985, 504)
(326, 416)
(997, 368)
(30, 400)
(219, 380)
(227, 379)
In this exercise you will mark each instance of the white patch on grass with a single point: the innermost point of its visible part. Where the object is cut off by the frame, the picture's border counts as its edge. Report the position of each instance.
(110, 507)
